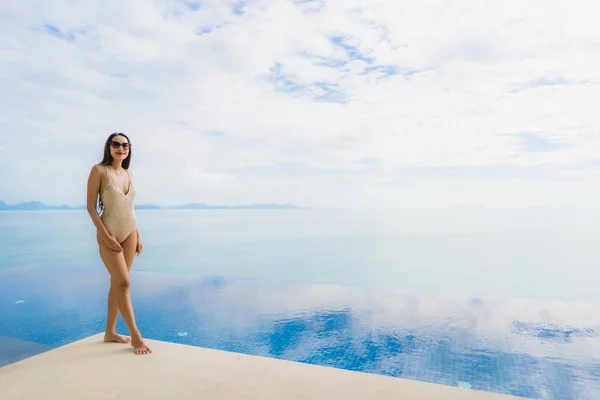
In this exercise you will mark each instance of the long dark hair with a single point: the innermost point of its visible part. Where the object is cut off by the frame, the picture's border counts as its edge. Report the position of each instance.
(107, 159)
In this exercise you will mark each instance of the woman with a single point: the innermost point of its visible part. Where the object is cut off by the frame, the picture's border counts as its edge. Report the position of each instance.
(117, 235)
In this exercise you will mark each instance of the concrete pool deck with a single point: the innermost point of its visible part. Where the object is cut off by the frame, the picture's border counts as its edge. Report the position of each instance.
(91, 369)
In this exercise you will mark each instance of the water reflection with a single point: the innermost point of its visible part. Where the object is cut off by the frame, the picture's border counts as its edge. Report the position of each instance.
(528, 348)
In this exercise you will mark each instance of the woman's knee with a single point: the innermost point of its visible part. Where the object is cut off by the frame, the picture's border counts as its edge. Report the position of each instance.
(121, 283)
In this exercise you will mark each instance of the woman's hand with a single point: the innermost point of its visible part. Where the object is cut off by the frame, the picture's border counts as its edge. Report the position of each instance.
(138, 246)
(111, 241)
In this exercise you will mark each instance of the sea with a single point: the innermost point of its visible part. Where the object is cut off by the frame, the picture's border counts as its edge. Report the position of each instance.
(504, 301)
(524, 253)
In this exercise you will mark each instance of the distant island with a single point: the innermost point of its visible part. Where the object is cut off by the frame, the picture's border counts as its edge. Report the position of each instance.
(38, 205)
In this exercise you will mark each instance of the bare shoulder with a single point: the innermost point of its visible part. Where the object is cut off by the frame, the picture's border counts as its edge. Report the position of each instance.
(97, 168)
(97, 171)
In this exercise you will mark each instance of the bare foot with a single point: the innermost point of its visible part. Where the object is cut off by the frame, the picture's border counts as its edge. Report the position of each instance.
(115, 337)
(140, 347)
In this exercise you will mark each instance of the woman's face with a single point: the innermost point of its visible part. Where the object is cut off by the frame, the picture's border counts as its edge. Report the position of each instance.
(119, 147)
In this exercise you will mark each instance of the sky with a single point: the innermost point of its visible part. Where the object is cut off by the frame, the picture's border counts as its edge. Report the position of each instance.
(318, 103)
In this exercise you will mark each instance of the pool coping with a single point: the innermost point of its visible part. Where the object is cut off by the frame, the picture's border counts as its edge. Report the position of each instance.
(92, 369)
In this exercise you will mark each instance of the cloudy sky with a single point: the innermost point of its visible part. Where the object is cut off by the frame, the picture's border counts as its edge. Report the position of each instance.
(317, 103)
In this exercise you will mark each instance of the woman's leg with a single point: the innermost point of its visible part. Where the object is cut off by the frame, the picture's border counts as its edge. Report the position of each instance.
(119, 286)
(113, 307)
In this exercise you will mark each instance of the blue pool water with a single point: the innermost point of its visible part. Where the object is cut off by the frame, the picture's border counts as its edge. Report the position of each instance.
(356, 292)
(521, 348)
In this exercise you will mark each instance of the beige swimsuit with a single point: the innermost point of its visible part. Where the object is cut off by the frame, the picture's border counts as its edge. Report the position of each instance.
(118, 215)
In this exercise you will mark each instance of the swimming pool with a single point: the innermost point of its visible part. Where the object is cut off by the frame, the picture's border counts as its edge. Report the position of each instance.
(533, 349)
(353, 289)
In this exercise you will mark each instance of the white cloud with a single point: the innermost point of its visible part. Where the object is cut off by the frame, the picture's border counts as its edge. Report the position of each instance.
(210, 91)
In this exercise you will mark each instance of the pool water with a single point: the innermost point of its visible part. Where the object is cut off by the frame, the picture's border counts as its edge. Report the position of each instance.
(529, 348)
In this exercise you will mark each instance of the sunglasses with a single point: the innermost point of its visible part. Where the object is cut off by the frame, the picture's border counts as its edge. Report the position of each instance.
(117, 145)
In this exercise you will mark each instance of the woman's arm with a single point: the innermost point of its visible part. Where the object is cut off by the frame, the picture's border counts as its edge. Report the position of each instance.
(139, 246)
(93, 187)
